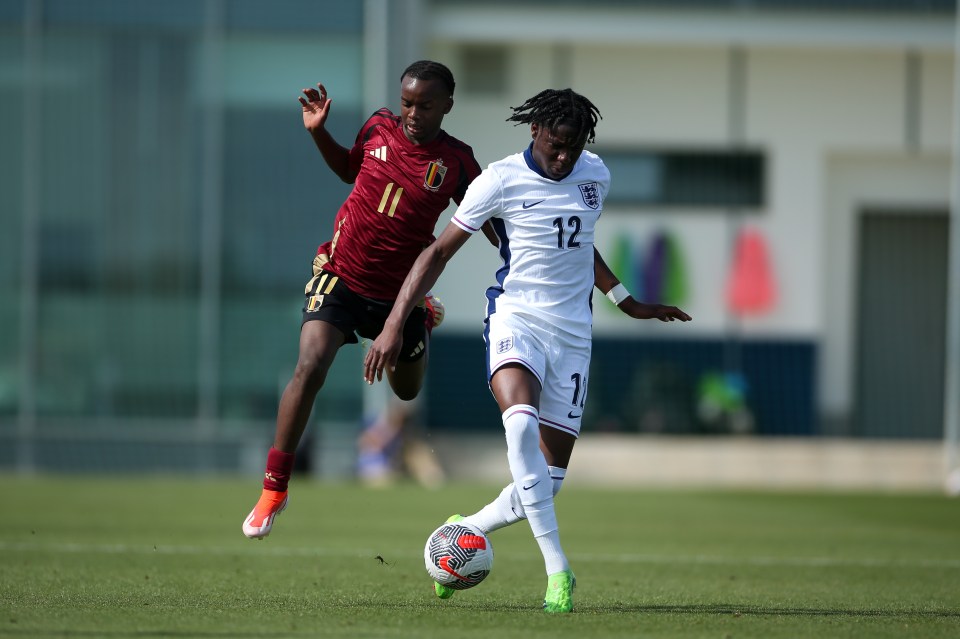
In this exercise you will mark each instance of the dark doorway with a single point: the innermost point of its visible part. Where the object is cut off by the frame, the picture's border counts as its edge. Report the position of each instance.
(901, 324)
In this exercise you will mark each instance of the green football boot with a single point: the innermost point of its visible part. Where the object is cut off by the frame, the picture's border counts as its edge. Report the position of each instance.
(559, 597)
(445, 592)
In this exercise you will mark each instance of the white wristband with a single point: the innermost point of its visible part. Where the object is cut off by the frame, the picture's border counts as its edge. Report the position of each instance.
(617, 294)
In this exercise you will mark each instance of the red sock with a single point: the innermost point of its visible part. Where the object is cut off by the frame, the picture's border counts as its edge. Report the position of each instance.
(279, 467)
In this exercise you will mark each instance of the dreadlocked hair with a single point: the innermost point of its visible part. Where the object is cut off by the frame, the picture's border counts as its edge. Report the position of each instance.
(553, 107)
(430, 70)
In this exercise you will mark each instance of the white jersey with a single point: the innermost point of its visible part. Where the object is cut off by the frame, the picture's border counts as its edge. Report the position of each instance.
(546, 231)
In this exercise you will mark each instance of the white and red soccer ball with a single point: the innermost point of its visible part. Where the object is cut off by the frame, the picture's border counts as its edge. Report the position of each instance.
(458, 555)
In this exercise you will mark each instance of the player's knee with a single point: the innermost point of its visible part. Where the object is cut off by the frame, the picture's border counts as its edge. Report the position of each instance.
(310, 374)
(521, 425)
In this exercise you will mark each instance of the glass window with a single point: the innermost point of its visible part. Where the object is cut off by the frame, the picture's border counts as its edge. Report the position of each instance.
(118, 233)
(124, 177)
(178, 206)
(279, 203)
(694, 178)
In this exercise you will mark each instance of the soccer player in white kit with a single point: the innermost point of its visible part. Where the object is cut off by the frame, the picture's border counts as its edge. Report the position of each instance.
(544, 204)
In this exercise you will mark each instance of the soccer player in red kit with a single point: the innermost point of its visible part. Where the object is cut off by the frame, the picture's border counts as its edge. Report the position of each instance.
(405, 170)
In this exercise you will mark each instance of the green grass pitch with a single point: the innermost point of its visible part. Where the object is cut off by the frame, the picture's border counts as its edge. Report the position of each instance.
(164, 557)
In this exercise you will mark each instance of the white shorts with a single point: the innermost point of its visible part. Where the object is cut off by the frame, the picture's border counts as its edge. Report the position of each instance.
(560, 361)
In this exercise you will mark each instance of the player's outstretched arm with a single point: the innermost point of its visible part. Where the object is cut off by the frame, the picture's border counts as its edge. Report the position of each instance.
(316, 108)
(421, 278)
(609, 285)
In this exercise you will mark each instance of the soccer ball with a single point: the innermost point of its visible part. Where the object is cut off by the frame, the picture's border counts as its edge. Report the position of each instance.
(458, 555)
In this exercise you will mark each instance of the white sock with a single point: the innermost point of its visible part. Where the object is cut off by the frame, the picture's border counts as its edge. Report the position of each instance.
(557, 474)
(506, 509)
(553, 558)
(532, 481)
(503, 511)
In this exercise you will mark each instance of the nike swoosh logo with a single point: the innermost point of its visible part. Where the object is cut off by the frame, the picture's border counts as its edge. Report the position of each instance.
(531, 485)
(572, 416)
(444, 564)
(527, 206)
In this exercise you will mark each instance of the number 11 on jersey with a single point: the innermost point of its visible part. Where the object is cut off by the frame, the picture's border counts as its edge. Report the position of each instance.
(386, 197)
(579, 390)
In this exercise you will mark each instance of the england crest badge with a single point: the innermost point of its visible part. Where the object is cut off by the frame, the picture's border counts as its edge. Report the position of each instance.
(591, 194)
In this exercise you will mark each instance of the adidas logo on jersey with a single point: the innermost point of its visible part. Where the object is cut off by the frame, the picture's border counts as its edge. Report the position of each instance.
(380, 154)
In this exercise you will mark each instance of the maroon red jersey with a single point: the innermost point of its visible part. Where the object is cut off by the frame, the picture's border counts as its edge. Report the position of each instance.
(400, 191)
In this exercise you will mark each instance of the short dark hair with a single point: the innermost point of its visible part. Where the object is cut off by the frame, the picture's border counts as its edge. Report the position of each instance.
(553, 107)
(430, 70)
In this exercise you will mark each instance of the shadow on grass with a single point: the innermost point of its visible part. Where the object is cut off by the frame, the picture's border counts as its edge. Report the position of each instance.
(653, 609)
(728, 609)
(692, 609)
(476, 605)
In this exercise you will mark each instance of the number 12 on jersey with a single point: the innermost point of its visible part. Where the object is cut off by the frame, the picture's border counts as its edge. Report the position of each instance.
(574, 223)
